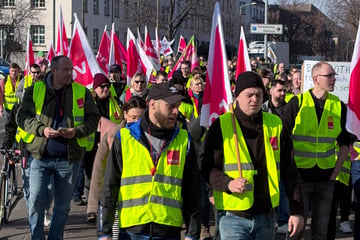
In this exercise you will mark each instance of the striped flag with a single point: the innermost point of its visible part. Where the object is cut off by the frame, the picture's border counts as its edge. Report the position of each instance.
(243, 63)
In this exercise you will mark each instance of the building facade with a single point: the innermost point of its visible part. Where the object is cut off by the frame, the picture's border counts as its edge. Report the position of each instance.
(173, 18)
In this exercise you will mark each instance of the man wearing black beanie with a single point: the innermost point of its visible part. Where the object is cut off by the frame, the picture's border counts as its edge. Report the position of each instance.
(249, 199)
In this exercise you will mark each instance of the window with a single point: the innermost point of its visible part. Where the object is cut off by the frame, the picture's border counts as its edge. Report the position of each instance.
(117, 8)
(95, 38)
(9, 3)
(96, 7)
(9, 30)
(38, 34)
(37, 3)
(85, 6)
(107, 7)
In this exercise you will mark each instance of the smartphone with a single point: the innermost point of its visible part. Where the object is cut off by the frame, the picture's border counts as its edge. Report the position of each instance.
(62, 129)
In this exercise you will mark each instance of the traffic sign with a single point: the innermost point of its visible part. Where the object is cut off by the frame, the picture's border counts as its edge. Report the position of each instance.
(256, 28)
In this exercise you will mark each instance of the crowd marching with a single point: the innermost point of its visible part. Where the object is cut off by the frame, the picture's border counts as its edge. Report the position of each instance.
(136, 154)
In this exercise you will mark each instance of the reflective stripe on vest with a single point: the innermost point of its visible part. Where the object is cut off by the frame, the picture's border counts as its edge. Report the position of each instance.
(9, 93)
(143, 197)
(77, 109)
(239, 202)
(314, 144)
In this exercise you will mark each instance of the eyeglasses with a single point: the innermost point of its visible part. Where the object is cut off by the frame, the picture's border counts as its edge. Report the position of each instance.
(35, 72)
(104, 86)
(328, 75)
(141, 82)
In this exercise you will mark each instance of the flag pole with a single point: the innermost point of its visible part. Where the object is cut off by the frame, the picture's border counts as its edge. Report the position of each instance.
(235, 138)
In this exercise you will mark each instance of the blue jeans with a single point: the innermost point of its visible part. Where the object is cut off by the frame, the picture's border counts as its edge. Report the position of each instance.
(131, 236)
(259, 226)
(355, 175)
(25, 170)
(319, 196)
(40, 173)
(284, 209)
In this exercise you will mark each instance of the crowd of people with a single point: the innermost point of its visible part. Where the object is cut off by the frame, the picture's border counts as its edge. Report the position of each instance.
(138, 158)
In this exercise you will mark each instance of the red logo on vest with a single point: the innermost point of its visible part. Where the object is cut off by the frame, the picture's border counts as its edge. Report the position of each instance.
(274, 143)
(80, 102)
(173, 157)
(330, 123)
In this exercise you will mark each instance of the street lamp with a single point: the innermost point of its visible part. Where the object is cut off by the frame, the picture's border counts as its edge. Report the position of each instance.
(347, 49)
(244, 5)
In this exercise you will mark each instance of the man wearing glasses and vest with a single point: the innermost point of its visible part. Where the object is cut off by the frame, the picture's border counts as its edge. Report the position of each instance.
(151, 175)
(316, 120)
(60, 114)
(250, 199)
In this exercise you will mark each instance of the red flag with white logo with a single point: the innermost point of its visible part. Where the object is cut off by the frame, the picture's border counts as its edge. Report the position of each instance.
(150, 51)
(182, 45)
(30, 60)
(118, 52)
(353, 112)
(62, 47)
(137, 59)
(243, 63)
(217, 93)
(51, 53)
(102, 55)
(82, 56)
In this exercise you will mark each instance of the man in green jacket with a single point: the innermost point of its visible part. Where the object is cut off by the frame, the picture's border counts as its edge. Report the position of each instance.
(60, 114)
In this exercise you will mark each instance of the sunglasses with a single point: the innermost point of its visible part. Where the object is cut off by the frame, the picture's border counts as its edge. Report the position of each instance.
(35, 72)
(141, 82)
(104, 86)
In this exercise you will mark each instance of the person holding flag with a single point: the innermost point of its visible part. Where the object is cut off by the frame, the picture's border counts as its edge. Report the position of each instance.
(246, 185)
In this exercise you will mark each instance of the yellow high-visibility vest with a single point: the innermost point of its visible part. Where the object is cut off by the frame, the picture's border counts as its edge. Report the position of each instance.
(272, 127)
(148, 193)
(9, 93)
(314, 144)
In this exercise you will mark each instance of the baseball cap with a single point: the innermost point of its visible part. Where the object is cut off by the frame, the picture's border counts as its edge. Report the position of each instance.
(115, 68)
(166, 92)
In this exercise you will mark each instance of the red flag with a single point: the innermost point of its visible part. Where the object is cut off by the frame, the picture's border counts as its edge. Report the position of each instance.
(29, 54)
(82, 56)
(243, 63)
(150, 51)
(182, 45)
(51, 53)
(103, 53)
(118, 52)
(217, 93)
(137, 60)
(353, 112)
(189, 54)
(62, 47)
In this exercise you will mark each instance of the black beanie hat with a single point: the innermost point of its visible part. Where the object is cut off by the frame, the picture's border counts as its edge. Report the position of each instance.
(248, 80)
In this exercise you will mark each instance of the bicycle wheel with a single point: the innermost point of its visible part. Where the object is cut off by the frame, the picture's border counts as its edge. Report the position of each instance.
(11, 192)
(2, 198)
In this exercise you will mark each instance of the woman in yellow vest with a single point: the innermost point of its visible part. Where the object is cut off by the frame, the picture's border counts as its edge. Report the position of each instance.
(108, 108)
(249, 199)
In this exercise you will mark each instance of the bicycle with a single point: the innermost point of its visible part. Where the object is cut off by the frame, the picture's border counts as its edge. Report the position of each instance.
(9, 183)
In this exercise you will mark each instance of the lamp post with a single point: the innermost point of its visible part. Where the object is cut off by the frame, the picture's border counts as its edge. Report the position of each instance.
(265, 36)
(347, 49)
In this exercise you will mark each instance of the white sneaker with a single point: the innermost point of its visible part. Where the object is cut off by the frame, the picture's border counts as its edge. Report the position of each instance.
(47, 218)
(283, 229)
(345, 227)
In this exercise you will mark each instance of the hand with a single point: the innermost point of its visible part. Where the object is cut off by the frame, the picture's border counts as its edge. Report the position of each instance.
(1, 112)
(296, 224)
(51, 133)
(68, 133)
(212, 200)
(238, 185)
(334, 174)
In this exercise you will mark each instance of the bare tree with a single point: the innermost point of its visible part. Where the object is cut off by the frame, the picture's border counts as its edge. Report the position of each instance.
(14, 22)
